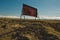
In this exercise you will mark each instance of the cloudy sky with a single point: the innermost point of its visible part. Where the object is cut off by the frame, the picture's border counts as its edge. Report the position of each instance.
(45, 7)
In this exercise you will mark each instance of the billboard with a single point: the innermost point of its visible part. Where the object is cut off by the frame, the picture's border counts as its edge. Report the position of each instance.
(28, 10)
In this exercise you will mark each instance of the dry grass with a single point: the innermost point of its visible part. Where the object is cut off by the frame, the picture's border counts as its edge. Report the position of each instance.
(28, 28)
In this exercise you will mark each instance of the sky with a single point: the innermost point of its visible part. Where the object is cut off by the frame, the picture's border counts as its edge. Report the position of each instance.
(44, 7)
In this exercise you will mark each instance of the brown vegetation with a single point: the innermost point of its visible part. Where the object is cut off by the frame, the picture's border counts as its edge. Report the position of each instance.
(15, 29)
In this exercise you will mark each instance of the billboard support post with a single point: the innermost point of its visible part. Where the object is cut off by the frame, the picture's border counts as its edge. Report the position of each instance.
(35, 18)
(24, 17)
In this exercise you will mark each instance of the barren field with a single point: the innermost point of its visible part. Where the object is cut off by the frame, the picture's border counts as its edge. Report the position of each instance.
(15, 29)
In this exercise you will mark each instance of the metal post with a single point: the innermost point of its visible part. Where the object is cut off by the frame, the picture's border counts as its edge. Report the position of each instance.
(24, 18)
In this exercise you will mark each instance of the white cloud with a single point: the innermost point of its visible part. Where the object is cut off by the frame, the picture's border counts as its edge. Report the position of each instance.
(9, 16)
(50, 17)
(28, 17)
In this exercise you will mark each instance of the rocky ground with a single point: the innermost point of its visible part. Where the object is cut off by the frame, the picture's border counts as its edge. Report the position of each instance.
(12, 29)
